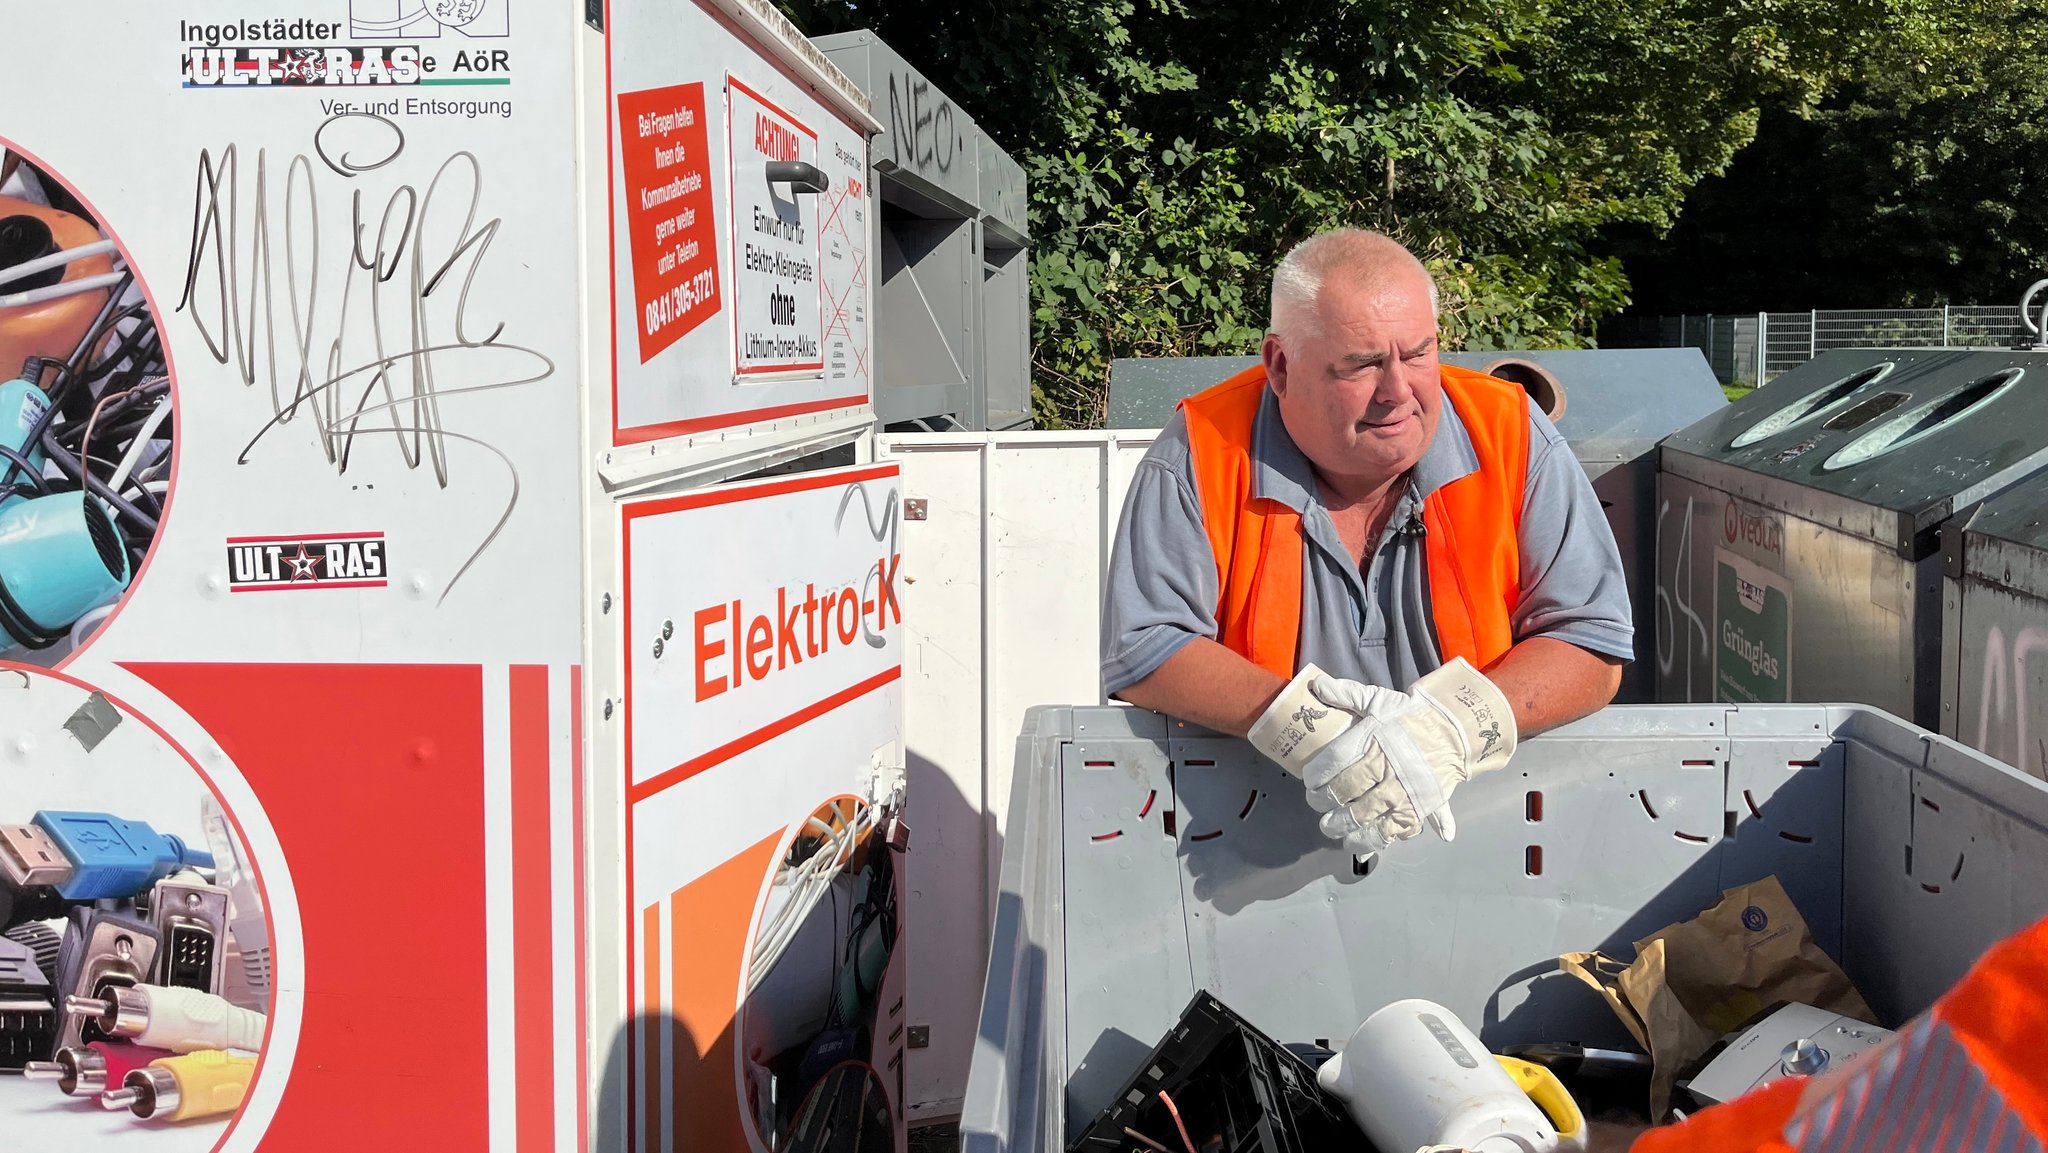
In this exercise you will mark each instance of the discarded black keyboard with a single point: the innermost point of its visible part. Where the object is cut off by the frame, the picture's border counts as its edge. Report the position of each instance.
(1215, 1084)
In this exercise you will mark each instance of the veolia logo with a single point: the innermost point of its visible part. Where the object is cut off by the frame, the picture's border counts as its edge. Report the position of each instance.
(1751, 528)
(1448, 1040)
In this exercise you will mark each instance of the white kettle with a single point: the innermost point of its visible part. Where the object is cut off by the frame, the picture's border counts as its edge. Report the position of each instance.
(1415, 1078)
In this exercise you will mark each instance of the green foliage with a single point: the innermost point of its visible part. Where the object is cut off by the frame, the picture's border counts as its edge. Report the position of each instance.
(1175, 148)
(1914, 184)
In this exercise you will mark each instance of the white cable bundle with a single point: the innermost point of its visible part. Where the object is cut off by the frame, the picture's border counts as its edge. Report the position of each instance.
(807, 884)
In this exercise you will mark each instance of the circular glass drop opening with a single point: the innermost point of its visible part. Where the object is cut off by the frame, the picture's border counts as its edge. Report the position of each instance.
(1823, 401)
(1924, 421)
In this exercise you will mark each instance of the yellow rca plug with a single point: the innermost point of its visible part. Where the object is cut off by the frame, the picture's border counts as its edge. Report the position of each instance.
(202, 1084)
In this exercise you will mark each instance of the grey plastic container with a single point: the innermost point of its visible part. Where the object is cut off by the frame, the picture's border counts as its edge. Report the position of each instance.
(1908, 854)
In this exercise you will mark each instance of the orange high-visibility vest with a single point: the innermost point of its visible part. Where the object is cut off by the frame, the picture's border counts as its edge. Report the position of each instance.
(1472, 524)
(1966, 1075)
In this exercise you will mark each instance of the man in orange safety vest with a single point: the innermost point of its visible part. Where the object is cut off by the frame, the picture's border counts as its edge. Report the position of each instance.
(1352, 537)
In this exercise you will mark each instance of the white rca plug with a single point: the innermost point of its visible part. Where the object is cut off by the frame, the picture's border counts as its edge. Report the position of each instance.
(175, 1019)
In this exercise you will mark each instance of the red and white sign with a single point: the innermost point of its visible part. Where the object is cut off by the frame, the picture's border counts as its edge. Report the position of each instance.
(778, 316)
(664, 150)
(763, 644)
(788, 289)
(791, 611)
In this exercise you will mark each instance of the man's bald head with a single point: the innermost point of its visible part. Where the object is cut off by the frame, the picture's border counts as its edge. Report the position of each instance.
(1352, 256)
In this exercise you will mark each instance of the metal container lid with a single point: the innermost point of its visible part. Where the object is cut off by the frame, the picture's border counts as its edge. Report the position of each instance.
(2005, 542)
(1883, 443)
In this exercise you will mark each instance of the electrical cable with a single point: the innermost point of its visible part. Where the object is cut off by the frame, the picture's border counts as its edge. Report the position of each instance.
(32, 371)
(99, 406)
(108, 311)
(29, 268)
(1177, 1122)
(157, 416)
(83, 626)
(15, 620)
(806, 884)
(172, 1017)
(185, 1087)
(28, 469)
(62, 289)
(95, 485)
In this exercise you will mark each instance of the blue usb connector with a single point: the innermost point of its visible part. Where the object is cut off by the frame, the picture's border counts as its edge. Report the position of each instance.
(111, 857)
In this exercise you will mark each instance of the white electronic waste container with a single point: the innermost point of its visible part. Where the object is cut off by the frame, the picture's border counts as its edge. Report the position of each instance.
(397, 650)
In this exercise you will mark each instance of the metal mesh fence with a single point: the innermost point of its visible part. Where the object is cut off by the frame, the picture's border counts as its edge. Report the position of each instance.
(1755, 347)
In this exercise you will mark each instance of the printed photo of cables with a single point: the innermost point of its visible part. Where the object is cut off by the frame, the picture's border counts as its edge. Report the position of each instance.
(134, 964)
(85, 418)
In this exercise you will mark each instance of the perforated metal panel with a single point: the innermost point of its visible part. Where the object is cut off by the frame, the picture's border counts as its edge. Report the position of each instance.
(1125, 930)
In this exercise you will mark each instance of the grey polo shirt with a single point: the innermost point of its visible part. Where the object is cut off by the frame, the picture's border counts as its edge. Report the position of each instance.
(1372, 622)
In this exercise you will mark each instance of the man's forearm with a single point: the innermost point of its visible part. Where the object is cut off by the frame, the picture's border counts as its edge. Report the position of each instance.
(1208, 685)
(1550, 683)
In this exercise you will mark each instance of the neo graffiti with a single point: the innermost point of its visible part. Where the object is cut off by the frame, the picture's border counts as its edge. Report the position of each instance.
(923, 129)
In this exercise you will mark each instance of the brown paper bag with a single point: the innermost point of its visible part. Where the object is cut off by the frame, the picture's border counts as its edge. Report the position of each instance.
(1752, 949)
(1695, 981)
(1651, 1012)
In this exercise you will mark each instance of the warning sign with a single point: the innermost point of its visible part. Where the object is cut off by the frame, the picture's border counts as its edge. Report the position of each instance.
(664, 149)
(844, 223)
(1753, 633)
(778, 320)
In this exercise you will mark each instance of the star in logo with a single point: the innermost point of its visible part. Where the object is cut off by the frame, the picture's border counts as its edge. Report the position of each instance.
(302, 565)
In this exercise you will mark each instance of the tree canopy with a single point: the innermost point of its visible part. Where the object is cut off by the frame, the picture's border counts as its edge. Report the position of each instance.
(1911, 184)
(1175, 148)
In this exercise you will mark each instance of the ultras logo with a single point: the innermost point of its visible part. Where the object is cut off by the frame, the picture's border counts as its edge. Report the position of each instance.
(302, 66)
(321, 561)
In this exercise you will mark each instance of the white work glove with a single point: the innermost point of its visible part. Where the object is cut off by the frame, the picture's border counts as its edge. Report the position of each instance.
(1377, 782)
(1300, 723)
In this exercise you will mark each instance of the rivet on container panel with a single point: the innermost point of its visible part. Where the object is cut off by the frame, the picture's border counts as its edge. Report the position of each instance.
(417, 585)
(23, 748)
